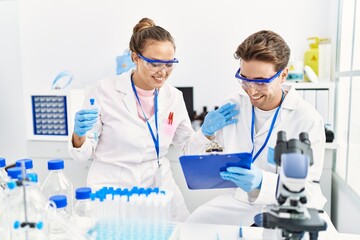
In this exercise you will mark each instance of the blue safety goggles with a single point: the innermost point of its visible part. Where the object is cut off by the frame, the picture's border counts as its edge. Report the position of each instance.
(155, 65)
(259, 84)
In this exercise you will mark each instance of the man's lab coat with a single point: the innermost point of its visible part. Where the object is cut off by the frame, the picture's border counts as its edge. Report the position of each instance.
(295, 116)
(125, 154)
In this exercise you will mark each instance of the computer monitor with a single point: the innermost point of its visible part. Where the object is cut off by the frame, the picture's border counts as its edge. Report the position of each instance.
(188, 95)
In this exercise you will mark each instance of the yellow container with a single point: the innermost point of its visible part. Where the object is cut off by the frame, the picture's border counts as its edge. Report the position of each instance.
(311, 57)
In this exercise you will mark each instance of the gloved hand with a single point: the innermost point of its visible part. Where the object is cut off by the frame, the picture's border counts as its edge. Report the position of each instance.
(244, 178)
(219, 118)
(84, 121)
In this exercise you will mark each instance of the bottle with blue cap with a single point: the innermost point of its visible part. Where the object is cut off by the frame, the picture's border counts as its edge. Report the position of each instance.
(83, 210)
(56, 229)
(27, 163)
(26, 213)
(4, 231)
(57, 183)
(3, 175)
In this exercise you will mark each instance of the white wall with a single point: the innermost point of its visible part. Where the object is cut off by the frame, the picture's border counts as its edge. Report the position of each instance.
(346, 211)
(12, 125)
(85, 37)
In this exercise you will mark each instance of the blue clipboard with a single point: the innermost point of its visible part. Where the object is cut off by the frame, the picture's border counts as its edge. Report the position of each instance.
(203, 171)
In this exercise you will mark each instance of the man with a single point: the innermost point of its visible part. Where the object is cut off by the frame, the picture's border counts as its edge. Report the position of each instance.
(266, 106)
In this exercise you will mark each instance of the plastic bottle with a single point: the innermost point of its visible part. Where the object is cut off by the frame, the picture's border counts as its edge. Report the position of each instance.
(311, 57)
(57, 230)
(83, 210)
(3, 174)
(26, 213)
(28, 164)
(93, 133)
(57, 183)
(4, 230)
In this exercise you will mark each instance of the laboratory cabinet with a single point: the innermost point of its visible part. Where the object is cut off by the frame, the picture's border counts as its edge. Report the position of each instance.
(321, 95)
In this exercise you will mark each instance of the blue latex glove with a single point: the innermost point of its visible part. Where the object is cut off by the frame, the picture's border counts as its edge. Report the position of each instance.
(124, 62)
(219, 118)
(84, 121)
(244, 178)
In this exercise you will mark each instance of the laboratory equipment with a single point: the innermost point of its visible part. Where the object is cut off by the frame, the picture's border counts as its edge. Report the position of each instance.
(136, 213)
(311, 56)
(3, 175)
(291, 215)
(14, 172)
(57, 231)
(57, 183)
(4, 230)
(50, 113)
(84, 209)
(93, 132)
(26, 213)
(28, 164)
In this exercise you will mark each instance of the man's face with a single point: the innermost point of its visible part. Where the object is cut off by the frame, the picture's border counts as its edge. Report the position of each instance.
(265, 96)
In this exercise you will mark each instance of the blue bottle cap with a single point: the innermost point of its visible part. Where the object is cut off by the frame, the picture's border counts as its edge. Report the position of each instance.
(14, 172)
(28, 163)
(83, 193)
(92, 101)
(59, 200)
(56, 164)
(2, 162)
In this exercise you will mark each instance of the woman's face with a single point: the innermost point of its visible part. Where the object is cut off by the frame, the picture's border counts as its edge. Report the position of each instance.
(149, 75)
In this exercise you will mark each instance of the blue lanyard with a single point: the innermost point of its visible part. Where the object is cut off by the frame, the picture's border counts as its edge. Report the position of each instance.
(155, 139)
(270, 130)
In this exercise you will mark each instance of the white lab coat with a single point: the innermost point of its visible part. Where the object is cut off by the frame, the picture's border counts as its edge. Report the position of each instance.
(295, 116)
(125, 154)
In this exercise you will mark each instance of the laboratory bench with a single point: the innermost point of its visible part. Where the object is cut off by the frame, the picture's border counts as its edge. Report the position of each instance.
(194, 231)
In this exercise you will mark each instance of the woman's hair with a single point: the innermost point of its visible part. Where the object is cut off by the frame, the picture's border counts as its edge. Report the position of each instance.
(146, 31)
(265, 46)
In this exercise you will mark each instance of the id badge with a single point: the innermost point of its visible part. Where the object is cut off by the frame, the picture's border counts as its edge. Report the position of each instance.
(158, 175)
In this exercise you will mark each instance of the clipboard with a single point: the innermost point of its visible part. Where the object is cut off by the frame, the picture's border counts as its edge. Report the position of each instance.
(203, 171)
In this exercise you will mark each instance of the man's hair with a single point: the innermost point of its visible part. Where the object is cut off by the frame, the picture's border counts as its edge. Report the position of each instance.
(265, 46)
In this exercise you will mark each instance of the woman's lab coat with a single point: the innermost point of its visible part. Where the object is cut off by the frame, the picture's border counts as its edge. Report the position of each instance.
(125, 154)
(295, 116)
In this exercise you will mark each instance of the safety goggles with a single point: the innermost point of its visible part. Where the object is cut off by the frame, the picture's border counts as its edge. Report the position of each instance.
(157, 65)
(258, 84)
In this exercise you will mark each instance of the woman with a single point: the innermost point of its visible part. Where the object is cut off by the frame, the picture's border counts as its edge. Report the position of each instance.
(138, 116)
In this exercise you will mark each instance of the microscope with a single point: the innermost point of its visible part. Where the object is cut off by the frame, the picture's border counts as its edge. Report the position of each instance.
(290, 215)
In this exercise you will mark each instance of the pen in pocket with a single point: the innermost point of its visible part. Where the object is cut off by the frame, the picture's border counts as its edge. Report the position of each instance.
(170, 118)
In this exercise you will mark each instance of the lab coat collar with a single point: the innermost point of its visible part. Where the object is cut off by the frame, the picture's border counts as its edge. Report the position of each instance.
(292, 98)
(123, 85)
